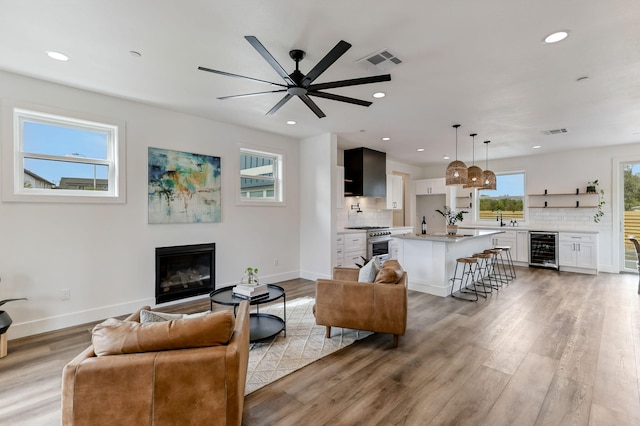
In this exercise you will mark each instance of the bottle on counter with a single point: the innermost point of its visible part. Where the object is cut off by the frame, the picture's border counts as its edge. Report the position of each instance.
(424, 225)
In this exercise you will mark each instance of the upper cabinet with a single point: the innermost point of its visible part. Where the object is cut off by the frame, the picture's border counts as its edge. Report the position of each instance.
(430, 186)
(365, 173)
(340, 191)
(394, 192)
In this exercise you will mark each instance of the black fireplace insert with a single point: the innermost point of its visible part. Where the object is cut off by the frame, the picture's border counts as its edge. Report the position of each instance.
(185, 271)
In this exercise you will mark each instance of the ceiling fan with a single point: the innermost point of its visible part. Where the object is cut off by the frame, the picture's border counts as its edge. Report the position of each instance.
(299, 84)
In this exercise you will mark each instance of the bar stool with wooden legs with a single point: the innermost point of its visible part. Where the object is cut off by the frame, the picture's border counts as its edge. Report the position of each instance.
(467, 279)
(506, 250)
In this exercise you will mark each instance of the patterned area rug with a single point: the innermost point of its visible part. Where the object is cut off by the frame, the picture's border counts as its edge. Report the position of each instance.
(305, 343)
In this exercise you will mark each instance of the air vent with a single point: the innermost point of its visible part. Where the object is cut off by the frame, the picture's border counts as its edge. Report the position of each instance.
(554, 131)
(382, 59)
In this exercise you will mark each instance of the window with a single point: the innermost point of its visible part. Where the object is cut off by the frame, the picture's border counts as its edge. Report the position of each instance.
(64, 159)
(260, 177)
(507, 199)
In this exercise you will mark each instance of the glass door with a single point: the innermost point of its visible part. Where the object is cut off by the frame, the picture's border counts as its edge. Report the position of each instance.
(631, 212)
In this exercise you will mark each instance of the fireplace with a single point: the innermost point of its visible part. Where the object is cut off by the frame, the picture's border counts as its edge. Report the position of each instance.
(185, 271)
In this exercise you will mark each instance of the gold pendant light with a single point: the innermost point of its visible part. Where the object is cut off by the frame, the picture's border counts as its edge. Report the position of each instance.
(456, 170)
(488, 177)
(474, 173)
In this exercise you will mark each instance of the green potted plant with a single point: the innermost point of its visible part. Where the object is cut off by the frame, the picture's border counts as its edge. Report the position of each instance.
(250, 276)
(452, 217)
(593, 187)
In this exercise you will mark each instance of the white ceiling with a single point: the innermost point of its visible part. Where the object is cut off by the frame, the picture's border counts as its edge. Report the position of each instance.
(478, 63)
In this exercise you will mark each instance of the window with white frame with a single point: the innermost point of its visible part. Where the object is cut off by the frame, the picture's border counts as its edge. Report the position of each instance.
(260, 177)
(506, 202)
(64, 159)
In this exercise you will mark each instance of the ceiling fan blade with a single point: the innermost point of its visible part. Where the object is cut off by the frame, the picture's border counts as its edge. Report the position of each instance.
(279, 104)
(228, 74)
(352, 82)
(340, 98)
(333, 55)
(312, 105)
(270, 59)
(252, 94)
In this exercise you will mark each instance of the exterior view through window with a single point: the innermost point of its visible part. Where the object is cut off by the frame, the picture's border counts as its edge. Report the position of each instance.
(507, 200)
(64, 156)
(631, 173)
(260, 176)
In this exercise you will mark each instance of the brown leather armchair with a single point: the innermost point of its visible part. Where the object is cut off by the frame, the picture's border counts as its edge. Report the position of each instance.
(198, 385)
(345, 302)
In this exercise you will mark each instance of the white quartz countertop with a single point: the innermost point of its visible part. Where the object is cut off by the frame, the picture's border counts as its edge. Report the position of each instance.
(443, 237)
(527, 228)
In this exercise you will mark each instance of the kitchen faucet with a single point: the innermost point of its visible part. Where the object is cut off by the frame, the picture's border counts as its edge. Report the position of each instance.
(499, 217)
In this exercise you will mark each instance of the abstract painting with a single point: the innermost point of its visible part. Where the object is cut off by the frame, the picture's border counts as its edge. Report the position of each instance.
(183, 187)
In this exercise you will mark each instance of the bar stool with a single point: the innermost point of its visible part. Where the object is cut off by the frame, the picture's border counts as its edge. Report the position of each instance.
(485, 270)
(507, 251)
(467, 278)
(498, 271)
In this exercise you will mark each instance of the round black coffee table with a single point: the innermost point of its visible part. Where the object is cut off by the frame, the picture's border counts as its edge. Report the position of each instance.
(261, 326)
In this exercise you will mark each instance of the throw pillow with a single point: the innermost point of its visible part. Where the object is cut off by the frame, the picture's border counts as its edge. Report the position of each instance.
(391, 272)
(369, 271)
(114, 337)
(152, 316)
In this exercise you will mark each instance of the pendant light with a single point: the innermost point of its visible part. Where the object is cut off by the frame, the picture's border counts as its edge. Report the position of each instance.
(488, 177)
(474, 173)
(456, 170)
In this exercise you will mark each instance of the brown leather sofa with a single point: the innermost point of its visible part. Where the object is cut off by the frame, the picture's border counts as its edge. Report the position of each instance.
(195, 386)
(345, 302)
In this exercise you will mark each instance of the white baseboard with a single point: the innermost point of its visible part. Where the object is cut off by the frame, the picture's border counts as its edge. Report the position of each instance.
(436, 290)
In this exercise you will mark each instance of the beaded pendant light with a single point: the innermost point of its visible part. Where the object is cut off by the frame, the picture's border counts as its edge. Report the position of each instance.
(456, 170)
(488, 177)
(474, 173)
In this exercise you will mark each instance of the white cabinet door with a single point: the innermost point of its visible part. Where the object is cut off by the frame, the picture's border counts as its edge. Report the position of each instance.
(522, 247)
(438, 186)
(355, 242)
(422, 186)
(566, 253)
(394, 192)
(586, 256)
(430, 186)
(578, 250)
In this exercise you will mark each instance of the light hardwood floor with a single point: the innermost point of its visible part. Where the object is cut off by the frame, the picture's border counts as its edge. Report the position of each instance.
(549, 349)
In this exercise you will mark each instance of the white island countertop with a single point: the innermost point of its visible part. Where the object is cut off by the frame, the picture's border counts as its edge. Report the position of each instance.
(443, 237)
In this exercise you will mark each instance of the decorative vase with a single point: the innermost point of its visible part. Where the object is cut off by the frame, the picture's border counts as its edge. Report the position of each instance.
(249, 278)
(5, 321)
(591, 189)
(452, 229)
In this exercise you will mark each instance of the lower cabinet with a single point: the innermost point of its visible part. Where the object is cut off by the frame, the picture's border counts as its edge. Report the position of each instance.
(350, 249)
(578, 252)
(522, 247)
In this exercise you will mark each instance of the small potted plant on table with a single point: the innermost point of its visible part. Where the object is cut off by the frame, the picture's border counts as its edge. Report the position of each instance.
(452, 217)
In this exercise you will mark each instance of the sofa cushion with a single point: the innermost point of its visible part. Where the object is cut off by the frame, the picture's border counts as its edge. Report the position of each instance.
(113, 337)
(391, 273)
(369, 271)
(152, 316)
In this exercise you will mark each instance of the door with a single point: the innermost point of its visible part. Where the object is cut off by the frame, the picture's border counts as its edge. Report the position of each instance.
(631, 213)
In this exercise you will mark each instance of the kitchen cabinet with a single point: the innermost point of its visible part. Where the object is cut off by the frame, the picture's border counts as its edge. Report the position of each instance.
(365, 173)
(340, 250)
(508, 238)
(354, 248)
(521, 254)
(430, 186)
(394, 192)
(340, 188)
(578, 252)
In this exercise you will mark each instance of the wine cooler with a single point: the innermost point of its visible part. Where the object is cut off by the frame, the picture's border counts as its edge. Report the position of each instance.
(543, 249)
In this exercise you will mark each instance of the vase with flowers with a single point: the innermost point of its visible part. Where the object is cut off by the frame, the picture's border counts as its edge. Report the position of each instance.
(452, 217)
(250, 277)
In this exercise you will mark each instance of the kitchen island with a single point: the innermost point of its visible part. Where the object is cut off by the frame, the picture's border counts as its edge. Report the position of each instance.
(430, 259)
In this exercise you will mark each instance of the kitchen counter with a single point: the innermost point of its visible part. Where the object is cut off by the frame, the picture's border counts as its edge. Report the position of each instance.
(430, 260)
(527, 228)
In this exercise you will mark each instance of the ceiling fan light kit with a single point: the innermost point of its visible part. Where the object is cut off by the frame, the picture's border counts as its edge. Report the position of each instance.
(456, 173)
(299, 84)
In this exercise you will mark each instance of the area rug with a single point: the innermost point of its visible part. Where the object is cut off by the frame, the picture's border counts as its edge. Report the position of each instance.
(305, 343)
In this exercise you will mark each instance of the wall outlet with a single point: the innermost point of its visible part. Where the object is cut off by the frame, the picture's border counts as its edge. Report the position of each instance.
(275, 262)
(65, 294)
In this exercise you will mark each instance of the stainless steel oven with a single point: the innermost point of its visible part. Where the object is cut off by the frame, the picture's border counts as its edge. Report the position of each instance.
(378, 241)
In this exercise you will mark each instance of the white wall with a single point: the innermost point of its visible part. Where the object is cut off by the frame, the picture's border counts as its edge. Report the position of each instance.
(105, 253)
(318, 176)
(563, 173)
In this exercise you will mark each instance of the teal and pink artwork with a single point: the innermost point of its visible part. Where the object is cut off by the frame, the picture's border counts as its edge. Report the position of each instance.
(183, 187)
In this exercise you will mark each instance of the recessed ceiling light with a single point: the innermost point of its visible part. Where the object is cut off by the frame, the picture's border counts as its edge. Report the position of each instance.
(386, 138)
(535, 146)
(556, 37)
(379, 95)
(291, 122)
(57, 55)
(420, 149)
(445, 157)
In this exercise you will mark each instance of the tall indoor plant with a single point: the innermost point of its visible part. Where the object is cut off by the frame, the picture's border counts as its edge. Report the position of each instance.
(452, 217)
